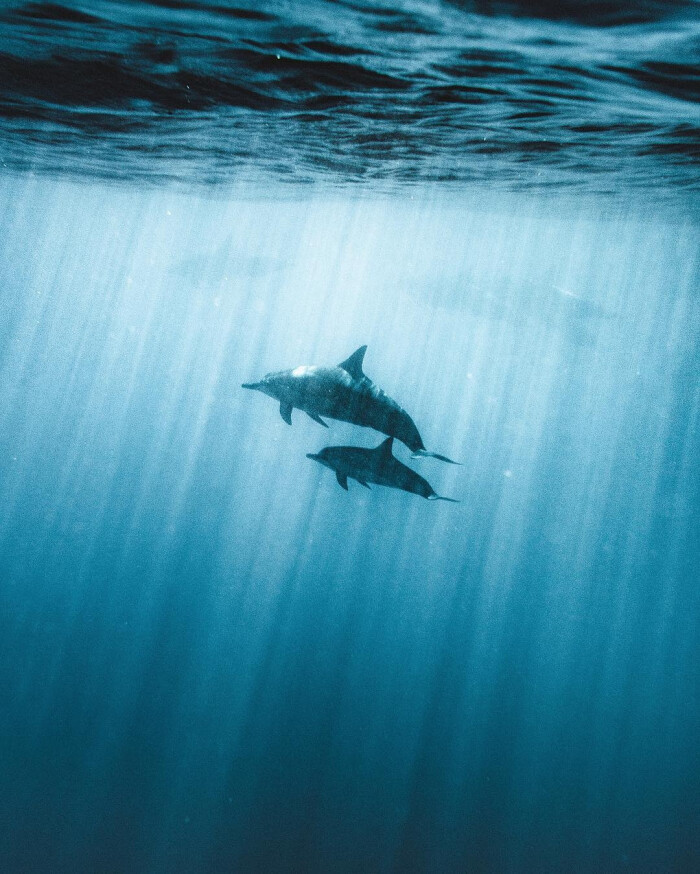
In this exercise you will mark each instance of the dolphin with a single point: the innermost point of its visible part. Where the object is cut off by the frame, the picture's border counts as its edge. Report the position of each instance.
(345, 393)
(378, 466)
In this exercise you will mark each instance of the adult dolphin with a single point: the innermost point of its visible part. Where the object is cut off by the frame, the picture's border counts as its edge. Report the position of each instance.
(344, 393)
(378, 466)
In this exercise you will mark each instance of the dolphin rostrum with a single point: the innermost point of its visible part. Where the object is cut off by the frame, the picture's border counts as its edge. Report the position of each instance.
(378, 466)
(345, 393)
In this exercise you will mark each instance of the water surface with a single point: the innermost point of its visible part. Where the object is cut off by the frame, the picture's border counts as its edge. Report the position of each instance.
(590, 96)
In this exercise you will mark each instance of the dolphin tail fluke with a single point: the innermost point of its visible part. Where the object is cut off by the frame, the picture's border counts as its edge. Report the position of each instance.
(423, 453)
(441, 498)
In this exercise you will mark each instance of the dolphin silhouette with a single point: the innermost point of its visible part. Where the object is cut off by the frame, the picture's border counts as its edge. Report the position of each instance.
(344, 393)
(378, 466)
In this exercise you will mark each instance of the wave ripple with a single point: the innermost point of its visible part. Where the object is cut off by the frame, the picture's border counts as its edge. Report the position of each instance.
(597, 95)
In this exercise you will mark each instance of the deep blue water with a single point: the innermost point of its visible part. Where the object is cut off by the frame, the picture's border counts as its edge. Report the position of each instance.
(214, 659)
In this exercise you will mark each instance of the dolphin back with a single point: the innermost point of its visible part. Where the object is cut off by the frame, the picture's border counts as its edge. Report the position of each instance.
(383, 414)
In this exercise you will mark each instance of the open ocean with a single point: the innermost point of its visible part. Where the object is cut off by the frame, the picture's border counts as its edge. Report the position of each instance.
(212, 657)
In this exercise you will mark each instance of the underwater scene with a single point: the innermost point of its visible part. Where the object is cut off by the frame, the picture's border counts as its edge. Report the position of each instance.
(349, 437)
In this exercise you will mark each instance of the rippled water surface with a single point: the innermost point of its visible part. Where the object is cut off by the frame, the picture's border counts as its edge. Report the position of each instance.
(595, 96)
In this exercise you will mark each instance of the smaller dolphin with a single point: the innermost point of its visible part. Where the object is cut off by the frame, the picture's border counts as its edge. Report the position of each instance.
(378, 466)
(343, 392)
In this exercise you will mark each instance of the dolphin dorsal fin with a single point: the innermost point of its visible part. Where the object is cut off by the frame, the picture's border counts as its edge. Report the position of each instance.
(353, 364)
(384, 448)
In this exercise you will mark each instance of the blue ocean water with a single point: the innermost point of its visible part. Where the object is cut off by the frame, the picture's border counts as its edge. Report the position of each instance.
(214, 659)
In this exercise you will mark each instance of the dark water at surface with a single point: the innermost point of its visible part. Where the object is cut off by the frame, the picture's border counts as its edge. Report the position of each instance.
(597, 96)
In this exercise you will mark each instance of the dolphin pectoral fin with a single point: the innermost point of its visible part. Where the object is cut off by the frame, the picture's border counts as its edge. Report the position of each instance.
(316, 418)
(441, 498)
(423, 453)
(342, 480)
(286, 413)
(363, 483)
